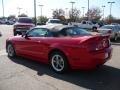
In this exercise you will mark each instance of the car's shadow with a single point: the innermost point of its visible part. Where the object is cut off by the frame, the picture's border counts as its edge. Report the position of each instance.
(104, 78)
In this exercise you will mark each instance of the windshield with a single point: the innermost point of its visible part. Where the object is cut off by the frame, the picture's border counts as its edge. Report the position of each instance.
(55, 21)
(25, 20)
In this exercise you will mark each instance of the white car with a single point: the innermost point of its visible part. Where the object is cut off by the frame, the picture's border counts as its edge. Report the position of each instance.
(54, 21)
(86, 25)
(113, 30)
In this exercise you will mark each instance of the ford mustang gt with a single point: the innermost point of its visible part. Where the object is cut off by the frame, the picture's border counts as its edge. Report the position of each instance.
(62, 47)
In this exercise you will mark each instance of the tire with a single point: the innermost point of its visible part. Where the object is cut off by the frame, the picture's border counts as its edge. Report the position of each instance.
(10, 50)
(15, 33)
(116, 37)
(58, 62)
(94, 29)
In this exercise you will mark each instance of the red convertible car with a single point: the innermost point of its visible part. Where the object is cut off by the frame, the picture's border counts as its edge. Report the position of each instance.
(62, 47)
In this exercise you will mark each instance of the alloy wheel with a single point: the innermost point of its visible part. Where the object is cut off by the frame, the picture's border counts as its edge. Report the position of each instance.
(10, 50)
(57, 62)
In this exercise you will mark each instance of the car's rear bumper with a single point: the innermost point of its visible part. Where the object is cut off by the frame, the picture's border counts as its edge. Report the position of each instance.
(91, 60)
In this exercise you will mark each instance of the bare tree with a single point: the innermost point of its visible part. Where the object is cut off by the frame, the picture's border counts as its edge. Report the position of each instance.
(110, 19)
(74, 15)
(94, 13)
(58, 13)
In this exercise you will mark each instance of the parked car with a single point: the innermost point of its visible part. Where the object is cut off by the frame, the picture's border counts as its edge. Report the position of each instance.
(114, 24)
(54, 21)
(112, 30)
(10, 22)
(62, 47)
(86, 25)
(3, 21)
(22, 25)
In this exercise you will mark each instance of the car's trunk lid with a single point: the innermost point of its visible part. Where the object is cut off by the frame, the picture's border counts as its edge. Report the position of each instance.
(103, 31)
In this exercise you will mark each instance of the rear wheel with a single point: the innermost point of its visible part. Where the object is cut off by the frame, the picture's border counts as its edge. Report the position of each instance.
(58, 62)
(94, 29)
(11, 50)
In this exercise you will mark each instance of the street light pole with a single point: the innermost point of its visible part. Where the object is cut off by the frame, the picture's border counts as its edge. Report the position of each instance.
(35, 12)
(52, 10)
(88, 9)
(41, 8)
(19, 9)
(3, 7)
(103, 11)
(110, 6)
(83, 10)
(72, 8)
(66, 12)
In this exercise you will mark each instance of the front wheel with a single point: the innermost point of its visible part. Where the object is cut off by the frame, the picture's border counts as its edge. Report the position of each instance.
(15, 33)
(116, 37)
(11, 50)
(58, 62)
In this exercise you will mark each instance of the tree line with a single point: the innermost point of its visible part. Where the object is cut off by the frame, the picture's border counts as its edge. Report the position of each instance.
(74, 15)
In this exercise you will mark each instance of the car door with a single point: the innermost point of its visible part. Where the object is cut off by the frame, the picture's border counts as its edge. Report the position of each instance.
(33, 43)
(41, 42)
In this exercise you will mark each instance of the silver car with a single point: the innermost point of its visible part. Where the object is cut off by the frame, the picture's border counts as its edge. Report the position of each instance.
(113, 30)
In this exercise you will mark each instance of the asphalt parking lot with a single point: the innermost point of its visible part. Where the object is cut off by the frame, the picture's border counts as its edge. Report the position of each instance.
(23, 74)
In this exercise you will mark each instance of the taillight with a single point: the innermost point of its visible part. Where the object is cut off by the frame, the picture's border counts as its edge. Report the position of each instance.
(98, 45)
(93, 47)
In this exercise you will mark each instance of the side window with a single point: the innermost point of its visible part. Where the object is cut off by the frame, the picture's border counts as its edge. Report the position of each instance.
(90, 23)
(70, 32)
(39, 32)
(117, 28)
(83, 22)
(63, 32)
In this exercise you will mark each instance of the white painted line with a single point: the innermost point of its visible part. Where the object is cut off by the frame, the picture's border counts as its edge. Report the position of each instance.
(3, 52)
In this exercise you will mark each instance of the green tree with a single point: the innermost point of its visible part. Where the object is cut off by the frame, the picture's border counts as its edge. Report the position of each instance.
(42, 20)
(22, 15)
(11, 17)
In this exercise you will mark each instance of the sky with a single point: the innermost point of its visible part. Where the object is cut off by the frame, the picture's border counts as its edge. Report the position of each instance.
(28, 6)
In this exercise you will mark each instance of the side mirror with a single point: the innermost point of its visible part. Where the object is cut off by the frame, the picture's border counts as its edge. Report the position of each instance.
(24, 35)
(27, 36)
